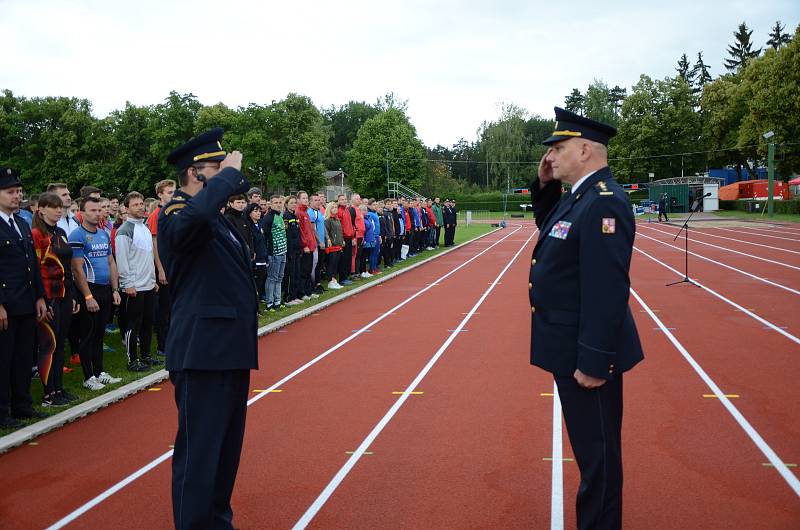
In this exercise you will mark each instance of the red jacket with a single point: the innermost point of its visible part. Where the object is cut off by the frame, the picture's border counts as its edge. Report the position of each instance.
(360, 227)
(348, 232)
(431, 216)
(409, 228)
(307, 237)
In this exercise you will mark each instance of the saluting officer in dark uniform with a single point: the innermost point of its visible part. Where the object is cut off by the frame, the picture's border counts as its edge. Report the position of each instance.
(21, 305)
(582, 328)
(211, 345)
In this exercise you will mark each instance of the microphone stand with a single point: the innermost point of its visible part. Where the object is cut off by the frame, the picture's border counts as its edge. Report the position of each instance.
(685, 230)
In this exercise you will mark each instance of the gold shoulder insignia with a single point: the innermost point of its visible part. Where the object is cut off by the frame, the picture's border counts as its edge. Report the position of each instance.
(604, 189)
(174, 208)
(178, 198)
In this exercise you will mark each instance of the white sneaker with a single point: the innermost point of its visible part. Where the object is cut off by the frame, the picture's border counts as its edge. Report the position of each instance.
(314, 295)
(93, 384)
(333, 284)
(106, 379)
(428, 248)
(366, 275)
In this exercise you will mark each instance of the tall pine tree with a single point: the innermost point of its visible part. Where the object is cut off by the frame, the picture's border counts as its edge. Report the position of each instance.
(699, 75)
(616, 96)
(574, 102)
(742, 50)
(683, 67)
(777, 38)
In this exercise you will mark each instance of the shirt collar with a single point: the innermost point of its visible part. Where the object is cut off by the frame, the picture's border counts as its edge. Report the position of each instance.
(580, 181)
(5, 216)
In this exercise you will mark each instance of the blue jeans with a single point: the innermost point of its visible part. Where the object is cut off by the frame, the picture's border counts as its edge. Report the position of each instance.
(277, 264)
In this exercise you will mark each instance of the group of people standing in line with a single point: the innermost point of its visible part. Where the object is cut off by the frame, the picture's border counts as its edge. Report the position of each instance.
(301, 245)
(69, 267)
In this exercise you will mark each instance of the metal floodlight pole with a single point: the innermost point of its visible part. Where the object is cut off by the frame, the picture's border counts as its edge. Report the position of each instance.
(387, 171)
(771, 178)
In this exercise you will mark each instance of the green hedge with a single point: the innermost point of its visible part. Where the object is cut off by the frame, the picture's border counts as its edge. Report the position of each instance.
(790, 207)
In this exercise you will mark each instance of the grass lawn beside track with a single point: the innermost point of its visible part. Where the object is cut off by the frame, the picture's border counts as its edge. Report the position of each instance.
(115, 361)
(778, 217)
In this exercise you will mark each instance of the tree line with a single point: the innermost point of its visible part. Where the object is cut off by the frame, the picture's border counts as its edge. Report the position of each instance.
(288, 144)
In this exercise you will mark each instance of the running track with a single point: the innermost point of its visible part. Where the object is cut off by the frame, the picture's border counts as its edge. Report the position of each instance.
(431, 417)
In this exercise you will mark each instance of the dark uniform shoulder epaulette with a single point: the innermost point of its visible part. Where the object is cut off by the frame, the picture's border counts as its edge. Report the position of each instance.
(602, 189)
(174, 207)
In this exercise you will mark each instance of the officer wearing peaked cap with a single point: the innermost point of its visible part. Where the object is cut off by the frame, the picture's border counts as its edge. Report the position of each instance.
(582, 330)
(211, 345)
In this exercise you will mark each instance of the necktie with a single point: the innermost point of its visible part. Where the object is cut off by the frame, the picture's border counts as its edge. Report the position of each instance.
(14, 226)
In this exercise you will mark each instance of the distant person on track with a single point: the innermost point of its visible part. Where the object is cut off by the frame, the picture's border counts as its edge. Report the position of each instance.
(211, 346)
(662, 207)
(583, 331)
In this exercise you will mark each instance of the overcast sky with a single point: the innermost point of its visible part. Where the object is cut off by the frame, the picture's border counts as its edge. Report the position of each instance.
(455, 62)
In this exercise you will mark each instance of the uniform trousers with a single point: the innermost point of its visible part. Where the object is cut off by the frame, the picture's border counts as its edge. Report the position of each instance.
(594, 424)
(212, 407)
(162, 316)
(449, 236)
(17, 343)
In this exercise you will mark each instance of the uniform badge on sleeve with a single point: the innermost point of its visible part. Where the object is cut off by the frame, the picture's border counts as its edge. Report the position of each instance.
(560, 229)
(609, 225)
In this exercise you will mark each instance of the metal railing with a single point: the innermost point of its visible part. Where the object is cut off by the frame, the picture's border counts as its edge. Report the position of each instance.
(397, 189)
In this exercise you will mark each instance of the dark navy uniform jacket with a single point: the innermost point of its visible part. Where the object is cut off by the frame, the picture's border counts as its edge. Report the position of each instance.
(214, 322)
(579, 283)
(20, 276)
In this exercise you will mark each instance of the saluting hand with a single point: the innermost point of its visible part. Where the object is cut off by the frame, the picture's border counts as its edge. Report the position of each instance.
(232, 159)
(587, 381)
(3, 318)
(545, 169)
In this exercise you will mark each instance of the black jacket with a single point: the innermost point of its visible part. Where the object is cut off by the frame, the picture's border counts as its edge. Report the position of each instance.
(266, 227)
(20, 276)
(242, 224)
(214, 300)
(579, 280)
(292, 233)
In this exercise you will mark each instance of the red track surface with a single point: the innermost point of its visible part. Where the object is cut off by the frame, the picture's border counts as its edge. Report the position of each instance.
(470, 452)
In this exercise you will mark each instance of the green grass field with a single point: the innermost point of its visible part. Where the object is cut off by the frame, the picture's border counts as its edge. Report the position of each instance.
(116, 363)
(757, 216)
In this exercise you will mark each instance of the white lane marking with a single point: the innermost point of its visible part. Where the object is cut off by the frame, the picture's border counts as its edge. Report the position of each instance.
(111, 491)
(557, 488)
(743, 241)
(780, 230)
(765, 322)
(780, 263)
(326, 493)
(773, 458)
(135, 475)
(759, 278)
(759, 234)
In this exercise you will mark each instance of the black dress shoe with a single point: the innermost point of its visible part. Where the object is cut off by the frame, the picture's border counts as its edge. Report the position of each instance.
(7, 422)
